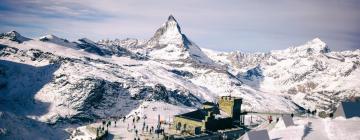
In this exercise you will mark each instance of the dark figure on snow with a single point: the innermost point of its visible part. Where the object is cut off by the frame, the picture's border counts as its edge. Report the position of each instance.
(292, 115)
(313, 112)
(270, 119)
(137, 119)
(151, 129)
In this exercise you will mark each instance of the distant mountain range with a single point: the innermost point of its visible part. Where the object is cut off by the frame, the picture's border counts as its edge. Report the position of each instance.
(54, 80)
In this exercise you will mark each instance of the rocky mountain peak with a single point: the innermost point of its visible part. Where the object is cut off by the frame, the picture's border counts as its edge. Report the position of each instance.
(172, 25)
(171, 18)
(13, 36)
(168, 33)
(50, 37)
(313, 47)
(14, 33)
(86, 40)
(168, 43)
(318, 45)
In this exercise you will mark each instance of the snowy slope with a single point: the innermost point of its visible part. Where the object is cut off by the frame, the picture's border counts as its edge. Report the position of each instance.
(82, 88)
(319, 129)
(62, 82)
(57, 40)
(312, 75)
(14, 127)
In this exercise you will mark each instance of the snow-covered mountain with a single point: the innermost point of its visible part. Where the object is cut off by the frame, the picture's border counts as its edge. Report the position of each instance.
(311, 74)
(13, 36)
(53, 80)
(168, 43)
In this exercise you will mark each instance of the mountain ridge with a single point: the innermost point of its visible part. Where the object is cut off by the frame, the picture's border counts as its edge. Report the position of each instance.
(277, 81)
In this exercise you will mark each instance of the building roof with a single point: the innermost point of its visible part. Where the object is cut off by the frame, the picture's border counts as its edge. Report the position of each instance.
(229, 97)
(209, 103)
(197, 115)
(285, 121)
(348, 109)
(222, 114)
(257, 135)
(200, 114)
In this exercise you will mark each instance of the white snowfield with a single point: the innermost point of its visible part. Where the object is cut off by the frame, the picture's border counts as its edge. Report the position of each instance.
(149, 113)
(56, 81)
(319, 129)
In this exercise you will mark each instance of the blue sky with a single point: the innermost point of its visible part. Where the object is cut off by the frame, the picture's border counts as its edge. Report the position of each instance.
(244, 25)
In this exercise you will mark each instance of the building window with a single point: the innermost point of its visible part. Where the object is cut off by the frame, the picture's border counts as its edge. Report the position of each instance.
(178, 126)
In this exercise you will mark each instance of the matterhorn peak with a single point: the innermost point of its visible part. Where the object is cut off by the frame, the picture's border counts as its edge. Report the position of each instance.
(168, 33)
(168, 43)
(171, 25)
(171, 18)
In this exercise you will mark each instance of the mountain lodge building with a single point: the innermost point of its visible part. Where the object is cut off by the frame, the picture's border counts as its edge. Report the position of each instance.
(226, 114)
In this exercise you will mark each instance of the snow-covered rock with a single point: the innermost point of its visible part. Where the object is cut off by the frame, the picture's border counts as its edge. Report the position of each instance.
(13, 36)
(169, 43)
(311, 75)
(57, 40)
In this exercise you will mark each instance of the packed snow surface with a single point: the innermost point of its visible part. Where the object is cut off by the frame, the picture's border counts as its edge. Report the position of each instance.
(319, 129)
